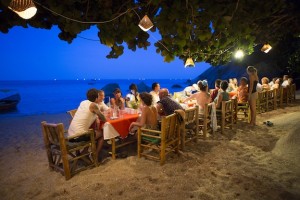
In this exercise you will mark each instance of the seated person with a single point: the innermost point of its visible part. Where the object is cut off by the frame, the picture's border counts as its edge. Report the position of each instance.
(222, 94)
(167, 105)
(242, 91)
(149, 115)
(202, 96)
(231, 86)
(290, 81)
(132, 99)
(102, 106)
(112, 103)
(215, 91)
(265, 84)
(86, 114)
(190, 89)
(120, 102)
(272, 82)
(285, 81)
(154, 93)
(277, 84)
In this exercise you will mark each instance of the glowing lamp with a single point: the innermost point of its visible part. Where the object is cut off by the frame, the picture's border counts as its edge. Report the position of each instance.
(145, 24)
(24, 8)
(266, 48)
(239, 54)
(189, 63)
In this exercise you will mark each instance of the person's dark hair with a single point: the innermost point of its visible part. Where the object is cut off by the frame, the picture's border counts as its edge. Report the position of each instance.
(244, 79)
(133, 86)
(92, 94)
(154, 85)
(218, 82)
(117, 90)
(251, 69)
(146, 98)
(224, 85)
(274, 79)
(280, 81)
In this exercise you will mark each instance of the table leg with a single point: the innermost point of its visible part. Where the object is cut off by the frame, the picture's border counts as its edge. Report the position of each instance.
(113, 148)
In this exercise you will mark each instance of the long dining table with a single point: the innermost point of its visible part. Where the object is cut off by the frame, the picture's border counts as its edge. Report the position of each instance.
(118, 127)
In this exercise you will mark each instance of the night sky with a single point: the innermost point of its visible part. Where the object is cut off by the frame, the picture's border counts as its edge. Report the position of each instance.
(38, 54)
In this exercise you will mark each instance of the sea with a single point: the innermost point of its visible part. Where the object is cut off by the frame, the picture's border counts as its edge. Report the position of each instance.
(58, 96)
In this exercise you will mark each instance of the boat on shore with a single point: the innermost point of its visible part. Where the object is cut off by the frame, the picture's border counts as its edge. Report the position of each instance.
(9, 99)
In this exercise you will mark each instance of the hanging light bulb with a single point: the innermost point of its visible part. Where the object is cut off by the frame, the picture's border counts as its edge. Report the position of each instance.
(266, 48)
(189, 63)
(145, 24)
(239, 54)
(24, 8)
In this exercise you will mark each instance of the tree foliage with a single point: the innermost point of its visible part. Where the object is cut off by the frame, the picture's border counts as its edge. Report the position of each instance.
(206, 30)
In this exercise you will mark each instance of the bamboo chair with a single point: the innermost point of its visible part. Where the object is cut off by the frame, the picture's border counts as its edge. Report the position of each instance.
(261, 102)
(293, 92)
(72, 114)
(271, 100)
(189, 130)
(205, 120)
(240, 111)
(64, 156)
(285, 93)
(278, 97)
(162, 142)
(225, 115)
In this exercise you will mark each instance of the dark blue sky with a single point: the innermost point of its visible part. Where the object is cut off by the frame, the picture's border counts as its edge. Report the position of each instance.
(38, 54)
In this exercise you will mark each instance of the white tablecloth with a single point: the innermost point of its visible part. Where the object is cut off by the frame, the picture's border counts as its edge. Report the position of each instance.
(109, 131)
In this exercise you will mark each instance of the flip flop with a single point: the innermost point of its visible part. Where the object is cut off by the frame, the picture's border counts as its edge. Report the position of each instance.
(269, 123)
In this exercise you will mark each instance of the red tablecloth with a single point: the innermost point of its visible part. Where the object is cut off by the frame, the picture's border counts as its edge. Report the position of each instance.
(122, 124)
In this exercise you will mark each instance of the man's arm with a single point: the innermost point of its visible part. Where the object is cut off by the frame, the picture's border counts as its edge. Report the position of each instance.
(94, 109)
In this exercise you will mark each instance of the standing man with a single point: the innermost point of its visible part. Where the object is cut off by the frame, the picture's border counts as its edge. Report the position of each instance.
(86, 114)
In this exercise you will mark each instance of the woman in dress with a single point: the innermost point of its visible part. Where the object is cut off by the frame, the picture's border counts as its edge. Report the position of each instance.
(132, 99)
(252, 83)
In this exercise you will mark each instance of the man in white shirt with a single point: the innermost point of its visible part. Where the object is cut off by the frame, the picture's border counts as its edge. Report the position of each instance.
(155, 92)
(102, 106)
(86, 114)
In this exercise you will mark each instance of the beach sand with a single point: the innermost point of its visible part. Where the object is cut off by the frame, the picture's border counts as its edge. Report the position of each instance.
(261, 162)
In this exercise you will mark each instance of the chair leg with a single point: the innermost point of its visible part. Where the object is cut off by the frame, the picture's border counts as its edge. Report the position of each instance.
(113, 148)
(139, 142)
(163, 153)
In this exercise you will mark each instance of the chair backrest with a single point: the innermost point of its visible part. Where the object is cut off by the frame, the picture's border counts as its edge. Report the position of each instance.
(227, 107)
(170, 127)
(53, 133)
(191, 115)
(72, 112)
(270, 95)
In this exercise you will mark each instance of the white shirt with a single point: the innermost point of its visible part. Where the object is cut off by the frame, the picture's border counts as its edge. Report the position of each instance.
(102, 106)
(285, 83)
(83, 119)
(155, 97)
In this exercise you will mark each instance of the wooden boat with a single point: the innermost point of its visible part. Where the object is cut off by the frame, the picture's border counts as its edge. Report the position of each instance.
(9, 99)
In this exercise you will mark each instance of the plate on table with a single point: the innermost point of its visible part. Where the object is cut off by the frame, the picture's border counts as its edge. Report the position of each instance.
(114, 117)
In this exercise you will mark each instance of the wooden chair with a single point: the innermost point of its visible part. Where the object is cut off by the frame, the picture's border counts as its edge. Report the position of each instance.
(161, 142)
(72, 114)
(225, 115)
(278, 97)
(285, 93)
(290, 94)
(189, 130)
(293, 92)
(271, 100)
(205, 120)
(64, 156)
(261, 102)
(240, 111)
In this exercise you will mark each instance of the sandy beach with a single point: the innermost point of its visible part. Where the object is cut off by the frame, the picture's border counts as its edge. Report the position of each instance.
(261, 162)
